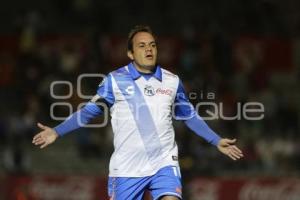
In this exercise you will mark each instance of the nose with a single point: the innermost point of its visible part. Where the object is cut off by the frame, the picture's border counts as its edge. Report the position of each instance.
(148, 48)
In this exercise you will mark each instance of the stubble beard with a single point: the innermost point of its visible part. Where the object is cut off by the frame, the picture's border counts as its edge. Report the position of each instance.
(146, 67)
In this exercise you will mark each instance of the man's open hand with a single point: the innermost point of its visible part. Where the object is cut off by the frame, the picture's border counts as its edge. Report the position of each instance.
(45, 137)
(227, 147)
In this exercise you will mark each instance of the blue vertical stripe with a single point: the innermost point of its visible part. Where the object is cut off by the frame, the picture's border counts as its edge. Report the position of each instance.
(142, 116)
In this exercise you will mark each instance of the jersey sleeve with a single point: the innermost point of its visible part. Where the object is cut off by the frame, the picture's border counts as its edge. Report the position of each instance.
(78, 119)
(94, 108)
(105, 92)
(185, 111)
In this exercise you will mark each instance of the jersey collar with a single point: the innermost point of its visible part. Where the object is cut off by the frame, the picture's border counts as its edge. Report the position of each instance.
(136, 74)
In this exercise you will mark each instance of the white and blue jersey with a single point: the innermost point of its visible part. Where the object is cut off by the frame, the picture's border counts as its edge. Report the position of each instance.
(141, 118)
(141, 108)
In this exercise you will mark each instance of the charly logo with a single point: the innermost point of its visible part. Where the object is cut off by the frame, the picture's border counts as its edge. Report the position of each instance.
(130, 90)
(149, 90)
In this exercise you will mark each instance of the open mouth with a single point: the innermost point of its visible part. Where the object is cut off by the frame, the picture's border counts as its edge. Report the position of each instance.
(149, 56)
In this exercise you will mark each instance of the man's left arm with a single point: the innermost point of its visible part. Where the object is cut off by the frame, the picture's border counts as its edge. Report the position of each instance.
(185, 111)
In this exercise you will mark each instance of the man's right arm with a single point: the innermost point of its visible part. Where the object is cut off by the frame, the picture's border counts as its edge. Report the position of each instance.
(76, 120)
(79, 118)
(94, 108)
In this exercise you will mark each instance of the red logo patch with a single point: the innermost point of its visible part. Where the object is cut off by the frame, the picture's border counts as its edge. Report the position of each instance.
(164, 91)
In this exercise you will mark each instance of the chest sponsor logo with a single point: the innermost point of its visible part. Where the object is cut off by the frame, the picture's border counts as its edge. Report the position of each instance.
(164, 91)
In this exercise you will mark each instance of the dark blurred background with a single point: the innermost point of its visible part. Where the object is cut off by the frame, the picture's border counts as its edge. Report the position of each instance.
(242, 51)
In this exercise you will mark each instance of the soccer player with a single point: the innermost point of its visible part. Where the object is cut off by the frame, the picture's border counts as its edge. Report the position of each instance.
(143, 98)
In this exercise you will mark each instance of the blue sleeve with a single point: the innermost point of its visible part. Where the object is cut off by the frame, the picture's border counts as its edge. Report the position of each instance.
(79, 119)
(183, 108)
(185, 111)
(198, 125)
(105, 90)
(93, 109)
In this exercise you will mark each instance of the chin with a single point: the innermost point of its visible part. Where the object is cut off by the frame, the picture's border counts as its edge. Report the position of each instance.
(150, 66)
(147, 65)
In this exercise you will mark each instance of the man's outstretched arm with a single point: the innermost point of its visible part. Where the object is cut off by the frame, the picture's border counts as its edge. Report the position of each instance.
(224, 145)
(94, 108)
(185, 111)
(76, 120)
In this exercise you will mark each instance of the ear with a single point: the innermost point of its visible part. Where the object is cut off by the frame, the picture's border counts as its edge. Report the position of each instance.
(130, 55)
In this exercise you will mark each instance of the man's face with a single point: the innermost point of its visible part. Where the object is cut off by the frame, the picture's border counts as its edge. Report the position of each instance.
(144, 50)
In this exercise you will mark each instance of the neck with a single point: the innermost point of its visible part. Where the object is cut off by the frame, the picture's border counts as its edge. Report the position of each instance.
(143, 69)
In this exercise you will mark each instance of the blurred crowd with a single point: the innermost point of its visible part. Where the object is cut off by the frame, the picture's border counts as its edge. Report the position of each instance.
(216, 53)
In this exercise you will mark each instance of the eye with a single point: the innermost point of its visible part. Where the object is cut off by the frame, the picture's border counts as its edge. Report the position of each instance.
(153, 45)
(142, 45)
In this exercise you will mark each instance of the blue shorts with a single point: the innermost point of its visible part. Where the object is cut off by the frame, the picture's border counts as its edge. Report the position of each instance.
(167, 181)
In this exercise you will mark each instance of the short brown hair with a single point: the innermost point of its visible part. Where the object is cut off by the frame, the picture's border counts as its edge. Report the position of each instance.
(134, 31)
